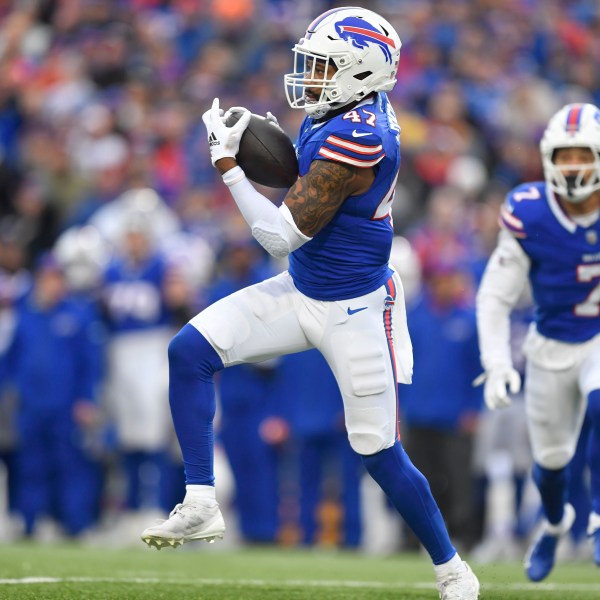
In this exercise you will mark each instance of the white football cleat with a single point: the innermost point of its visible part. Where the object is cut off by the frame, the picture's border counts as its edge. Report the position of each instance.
(459, 586)
(187, 522)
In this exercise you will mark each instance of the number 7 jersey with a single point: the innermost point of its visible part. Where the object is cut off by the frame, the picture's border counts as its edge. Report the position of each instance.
(565, 262)
(349, 256)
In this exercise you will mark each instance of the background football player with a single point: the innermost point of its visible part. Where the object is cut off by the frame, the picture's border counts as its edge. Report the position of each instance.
(551, 238)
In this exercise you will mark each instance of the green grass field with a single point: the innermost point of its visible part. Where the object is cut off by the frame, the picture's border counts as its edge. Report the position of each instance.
(203, 572)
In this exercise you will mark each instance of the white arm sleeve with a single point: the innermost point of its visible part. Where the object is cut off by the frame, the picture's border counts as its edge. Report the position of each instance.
(273, 227)
(503, 282)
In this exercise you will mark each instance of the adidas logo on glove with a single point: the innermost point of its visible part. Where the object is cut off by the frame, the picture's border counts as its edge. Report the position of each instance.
(213, 141)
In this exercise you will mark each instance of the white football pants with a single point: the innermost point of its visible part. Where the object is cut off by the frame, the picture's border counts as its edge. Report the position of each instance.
(365, 340)
(559, 377)
(137, 386)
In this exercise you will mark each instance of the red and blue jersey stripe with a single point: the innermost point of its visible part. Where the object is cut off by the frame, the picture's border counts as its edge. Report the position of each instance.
(389, 302)
(574, 118)
(341, 147)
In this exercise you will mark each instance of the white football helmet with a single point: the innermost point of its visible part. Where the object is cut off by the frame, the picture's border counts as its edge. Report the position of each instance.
(362, 46)
(573, 126)
(83, 254)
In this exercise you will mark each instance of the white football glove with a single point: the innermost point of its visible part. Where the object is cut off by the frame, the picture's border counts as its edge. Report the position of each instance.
(223, 141)
(497, 380)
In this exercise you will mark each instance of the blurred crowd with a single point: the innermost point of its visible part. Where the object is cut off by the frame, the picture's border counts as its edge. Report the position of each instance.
(115, 230)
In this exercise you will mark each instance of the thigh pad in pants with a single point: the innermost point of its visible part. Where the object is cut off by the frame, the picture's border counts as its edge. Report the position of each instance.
(254, 324)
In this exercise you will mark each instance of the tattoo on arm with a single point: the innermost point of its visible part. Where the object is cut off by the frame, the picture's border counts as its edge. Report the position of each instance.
(315, 198)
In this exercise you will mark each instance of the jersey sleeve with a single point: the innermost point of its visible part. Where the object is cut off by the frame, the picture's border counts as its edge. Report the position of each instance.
(356, 147)
(509, 218)
(520, 208)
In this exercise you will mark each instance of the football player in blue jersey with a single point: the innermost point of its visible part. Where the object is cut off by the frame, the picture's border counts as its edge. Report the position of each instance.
(551, 239)
(339, 295)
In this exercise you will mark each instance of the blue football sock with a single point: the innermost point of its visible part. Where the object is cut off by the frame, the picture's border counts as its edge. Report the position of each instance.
(552, 485)
(409, 492)
(593, 450)
(192, 364)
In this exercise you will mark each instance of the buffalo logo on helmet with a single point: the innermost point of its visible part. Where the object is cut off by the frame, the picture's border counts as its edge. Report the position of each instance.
(360, 34)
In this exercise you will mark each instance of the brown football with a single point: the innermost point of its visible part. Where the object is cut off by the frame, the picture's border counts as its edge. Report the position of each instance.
(266, 154)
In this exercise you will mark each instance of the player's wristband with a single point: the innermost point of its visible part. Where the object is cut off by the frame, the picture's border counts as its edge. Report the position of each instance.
(233, 176)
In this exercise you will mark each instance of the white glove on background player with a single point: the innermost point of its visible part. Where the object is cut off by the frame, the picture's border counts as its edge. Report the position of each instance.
(223, 141)
(498, 382)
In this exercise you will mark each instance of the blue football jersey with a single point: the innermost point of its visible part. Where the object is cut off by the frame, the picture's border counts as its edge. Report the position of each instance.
(133, 295)
(349, 256)
(565, 262)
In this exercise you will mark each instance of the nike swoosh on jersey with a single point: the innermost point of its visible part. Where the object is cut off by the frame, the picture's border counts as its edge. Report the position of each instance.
(351, 311)
(359, 134)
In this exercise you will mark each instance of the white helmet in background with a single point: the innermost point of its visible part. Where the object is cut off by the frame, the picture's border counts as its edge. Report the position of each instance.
(83, 254)
(138, 208)
(405, 260)
(362, 46)
(573, 126)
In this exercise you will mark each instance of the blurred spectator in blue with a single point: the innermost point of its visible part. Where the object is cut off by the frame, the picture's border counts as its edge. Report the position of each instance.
(252, 428)
(440, 410)
(83, 254)
(253, 433)
(140, 325)
(54, 475)
(329, 470)
(15, 284)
